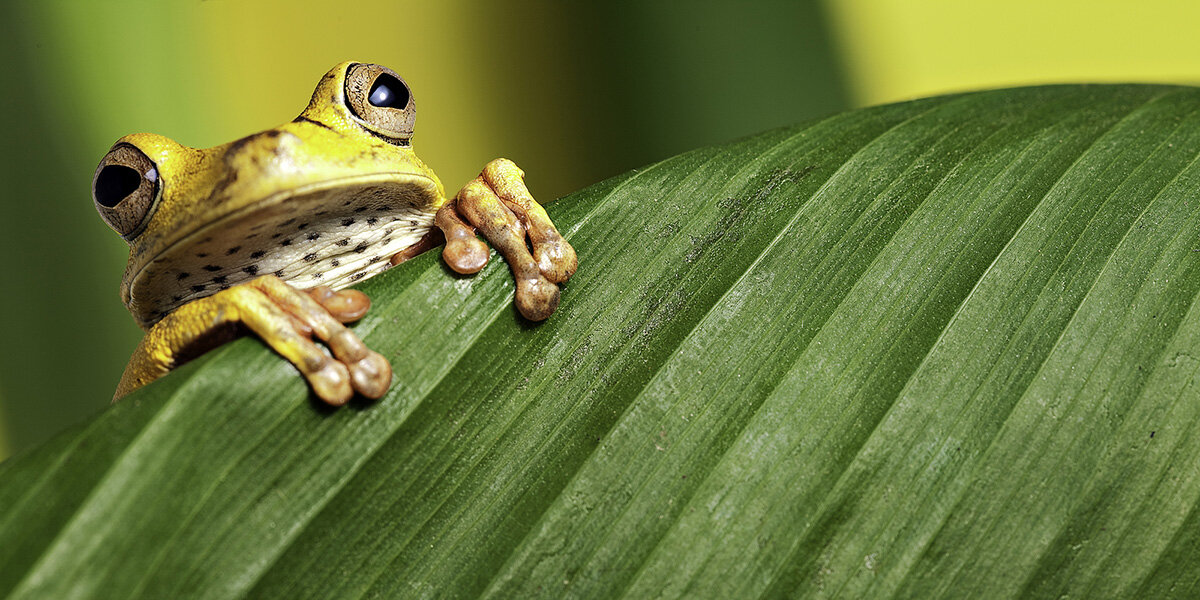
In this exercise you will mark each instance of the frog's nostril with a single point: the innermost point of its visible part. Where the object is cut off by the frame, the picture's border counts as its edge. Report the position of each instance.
(388, 92)
(115, 183)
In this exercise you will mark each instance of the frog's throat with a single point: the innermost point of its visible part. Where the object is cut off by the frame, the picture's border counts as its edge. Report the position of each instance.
(333, 233)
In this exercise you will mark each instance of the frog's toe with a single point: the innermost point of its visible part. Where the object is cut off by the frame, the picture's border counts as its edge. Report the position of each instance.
(537, 298)
(464, 252)
(371, 375)
(330, 381)
(346, 306)
(556, 259)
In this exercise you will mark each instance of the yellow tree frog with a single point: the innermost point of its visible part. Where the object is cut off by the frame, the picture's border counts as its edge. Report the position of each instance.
(263, 233)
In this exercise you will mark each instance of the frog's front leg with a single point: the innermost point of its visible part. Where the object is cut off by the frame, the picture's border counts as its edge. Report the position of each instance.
(286, 319)
(501, 207)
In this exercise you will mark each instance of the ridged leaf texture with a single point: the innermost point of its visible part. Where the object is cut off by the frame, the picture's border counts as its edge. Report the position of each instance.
(944, 348)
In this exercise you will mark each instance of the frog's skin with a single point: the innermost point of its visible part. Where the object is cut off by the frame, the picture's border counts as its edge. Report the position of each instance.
(264, 232)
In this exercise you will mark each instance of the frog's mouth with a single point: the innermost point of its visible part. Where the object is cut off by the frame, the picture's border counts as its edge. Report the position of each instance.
(332, 233)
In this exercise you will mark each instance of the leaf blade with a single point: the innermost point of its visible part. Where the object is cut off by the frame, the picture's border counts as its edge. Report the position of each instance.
(891, 353)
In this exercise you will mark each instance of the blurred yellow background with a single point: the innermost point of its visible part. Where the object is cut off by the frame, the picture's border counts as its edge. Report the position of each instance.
(574, 92)
(897, 49)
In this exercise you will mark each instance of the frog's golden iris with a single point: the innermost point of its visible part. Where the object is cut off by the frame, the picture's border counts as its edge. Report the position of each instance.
(264, 231)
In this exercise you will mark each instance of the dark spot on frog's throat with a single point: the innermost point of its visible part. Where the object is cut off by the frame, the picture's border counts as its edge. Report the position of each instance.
(182, 276)
(335, 263)
(343, 242)
(211, 268)
(198, 288)
(220, 279)
(258, 254)
(250, 270)
(302, 226)
(232, 251)
(372, 220)
(285, 243)
(288, 222)
(313, 236)
(310, 257)
(362, 247)
(347, 222)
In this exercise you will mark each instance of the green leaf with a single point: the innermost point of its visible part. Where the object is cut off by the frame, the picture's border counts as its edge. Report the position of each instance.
(940, 348)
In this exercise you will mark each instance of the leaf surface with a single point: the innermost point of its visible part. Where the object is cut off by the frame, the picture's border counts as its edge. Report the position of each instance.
(939, 348)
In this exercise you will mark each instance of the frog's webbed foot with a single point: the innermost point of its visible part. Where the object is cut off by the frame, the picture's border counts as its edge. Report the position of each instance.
(500, 206)
(287, 319)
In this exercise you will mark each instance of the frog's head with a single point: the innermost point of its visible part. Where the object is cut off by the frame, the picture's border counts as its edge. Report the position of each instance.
(322, 200)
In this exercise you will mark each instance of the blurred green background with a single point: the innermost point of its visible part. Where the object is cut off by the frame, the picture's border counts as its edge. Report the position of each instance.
(574, 92)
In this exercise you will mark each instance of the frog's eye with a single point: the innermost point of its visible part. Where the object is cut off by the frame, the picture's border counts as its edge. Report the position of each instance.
(124, 189)
(381, 101)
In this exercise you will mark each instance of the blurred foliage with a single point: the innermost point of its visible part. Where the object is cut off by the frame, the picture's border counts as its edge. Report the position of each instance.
(573, 92)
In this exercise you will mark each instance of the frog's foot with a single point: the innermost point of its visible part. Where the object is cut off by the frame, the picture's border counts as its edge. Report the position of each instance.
(289, 320)
(500, 206)
(286, 319)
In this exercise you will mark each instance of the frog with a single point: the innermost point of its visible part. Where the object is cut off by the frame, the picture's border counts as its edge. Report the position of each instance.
(265, 235)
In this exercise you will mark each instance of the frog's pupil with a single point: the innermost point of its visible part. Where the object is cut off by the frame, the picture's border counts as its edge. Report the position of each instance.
(388, 92)
(114, 183)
